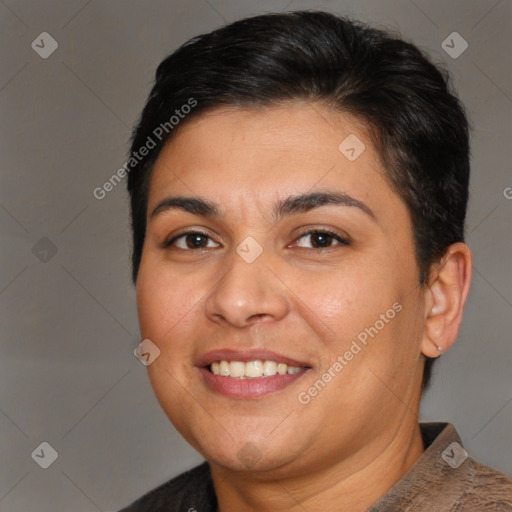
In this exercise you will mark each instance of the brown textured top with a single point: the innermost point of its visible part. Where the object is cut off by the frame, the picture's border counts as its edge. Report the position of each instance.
(443, 479)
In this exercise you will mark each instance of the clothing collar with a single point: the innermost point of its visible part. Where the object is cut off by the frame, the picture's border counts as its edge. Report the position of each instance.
(439, 471)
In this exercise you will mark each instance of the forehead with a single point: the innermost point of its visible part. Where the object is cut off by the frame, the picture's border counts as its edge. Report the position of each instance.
(233, 154)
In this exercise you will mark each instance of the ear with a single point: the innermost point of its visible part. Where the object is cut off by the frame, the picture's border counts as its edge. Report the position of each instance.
(445, 297)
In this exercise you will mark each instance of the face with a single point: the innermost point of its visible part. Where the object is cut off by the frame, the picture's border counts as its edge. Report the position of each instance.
(283, 294)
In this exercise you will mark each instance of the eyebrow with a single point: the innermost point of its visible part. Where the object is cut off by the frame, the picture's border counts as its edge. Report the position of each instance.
(289, 206)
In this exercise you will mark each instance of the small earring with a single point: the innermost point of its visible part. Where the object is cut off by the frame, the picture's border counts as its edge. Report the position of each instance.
(439, 348)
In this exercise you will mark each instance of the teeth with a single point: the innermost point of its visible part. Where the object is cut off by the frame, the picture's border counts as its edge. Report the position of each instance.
(236, 369)
(224, 368)
(252, 369)
(269, 368)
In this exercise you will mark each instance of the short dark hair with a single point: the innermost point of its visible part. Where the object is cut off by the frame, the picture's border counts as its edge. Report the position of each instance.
(416, 122)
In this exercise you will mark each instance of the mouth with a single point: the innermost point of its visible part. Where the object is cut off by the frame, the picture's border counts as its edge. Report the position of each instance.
(253, 369)
(250, 374)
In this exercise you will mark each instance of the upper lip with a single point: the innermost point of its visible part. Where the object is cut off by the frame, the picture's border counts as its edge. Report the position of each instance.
(229, 354)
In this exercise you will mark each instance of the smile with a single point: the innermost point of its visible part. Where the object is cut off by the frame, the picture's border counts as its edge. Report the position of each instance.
(249, 374)
(252, 369)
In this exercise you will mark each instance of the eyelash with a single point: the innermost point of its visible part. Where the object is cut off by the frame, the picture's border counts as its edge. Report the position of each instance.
(342, 241)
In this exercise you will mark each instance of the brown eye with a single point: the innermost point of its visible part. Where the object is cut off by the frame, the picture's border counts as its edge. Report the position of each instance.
(321, 240)
(191, 240)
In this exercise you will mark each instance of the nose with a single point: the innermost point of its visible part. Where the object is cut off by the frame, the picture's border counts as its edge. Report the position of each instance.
(248, 293)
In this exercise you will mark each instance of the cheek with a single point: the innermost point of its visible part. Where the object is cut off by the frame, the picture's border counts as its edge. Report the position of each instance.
(165, 305)
(366, 315)
(348, 300)
(165, 300)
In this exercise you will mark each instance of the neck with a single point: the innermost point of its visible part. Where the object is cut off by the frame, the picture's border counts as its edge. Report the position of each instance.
(333, 487)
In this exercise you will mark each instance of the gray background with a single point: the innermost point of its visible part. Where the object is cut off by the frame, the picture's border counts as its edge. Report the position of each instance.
(68, 375)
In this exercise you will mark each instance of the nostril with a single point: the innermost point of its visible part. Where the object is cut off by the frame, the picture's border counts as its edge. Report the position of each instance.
(259, 315)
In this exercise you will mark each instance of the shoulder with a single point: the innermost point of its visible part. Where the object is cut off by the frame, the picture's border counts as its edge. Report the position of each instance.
(446, 479)
(190, 491)
(460, 482)
(456, 482)
(485, 489)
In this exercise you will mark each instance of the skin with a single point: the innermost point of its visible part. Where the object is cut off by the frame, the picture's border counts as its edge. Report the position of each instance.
(347, 447)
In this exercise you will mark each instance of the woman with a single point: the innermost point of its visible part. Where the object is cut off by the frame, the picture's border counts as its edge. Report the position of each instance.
(298, 186)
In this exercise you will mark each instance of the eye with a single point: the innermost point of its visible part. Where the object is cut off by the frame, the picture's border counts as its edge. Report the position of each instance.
(190, 240)
(321, 239)
(316, 239)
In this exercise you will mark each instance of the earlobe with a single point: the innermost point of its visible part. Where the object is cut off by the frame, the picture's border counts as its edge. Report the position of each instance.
(445, 297)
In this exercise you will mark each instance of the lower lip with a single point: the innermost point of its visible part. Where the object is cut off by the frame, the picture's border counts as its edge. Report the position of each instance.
(249, 388)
